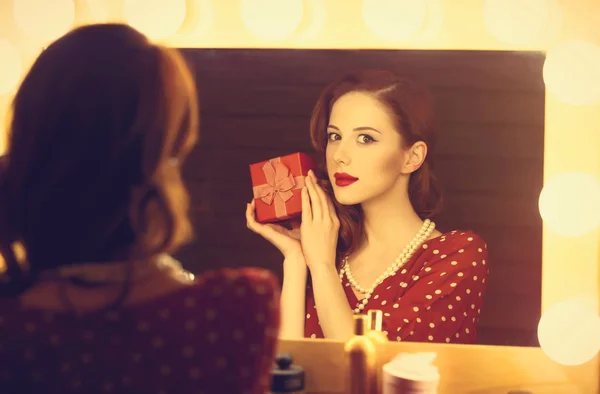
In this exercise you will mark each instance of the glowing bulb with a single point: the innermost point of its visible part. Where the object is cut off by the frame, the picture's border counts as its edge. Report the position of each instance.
(316, 21)
(157, 19)
(10, 66)
(517, 21)
(98, 9)
(204, 18)
(271, 19)
(569, 333)
(394, 19)
(43, 19)
(572, 72)
(570, 204)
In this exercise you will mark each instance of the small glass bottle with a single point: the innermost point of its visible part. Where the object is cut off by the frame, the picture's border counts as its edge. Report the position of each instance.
(360, 350)
(375, 332)
(286, 377)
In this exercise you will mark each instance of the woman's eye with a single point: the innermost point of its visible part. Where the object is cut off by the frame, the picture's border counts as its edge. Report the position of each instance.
(333, 136)
(365, 139)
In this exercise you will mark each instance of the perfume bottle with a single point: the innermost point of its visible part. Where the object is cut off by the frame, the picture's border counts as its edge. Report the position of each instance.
(375, 333)
(360, 351)
(286, 377)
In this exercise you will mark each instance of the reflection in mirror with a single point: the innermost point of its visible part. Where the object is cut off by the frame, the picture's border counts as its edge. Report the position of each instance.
(488, 158)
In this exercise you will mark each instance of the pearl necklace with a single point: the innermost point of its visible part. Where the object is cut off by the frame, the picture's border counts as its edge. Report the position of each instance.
(408, 251)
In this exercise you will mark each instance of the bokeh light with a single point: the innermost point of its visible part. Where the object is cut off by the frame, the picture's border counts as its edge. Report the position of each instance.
(570, 203)
(271, 19)
(314, 20)
(394, 19)
(11, 67)
(517, 21)
(44, 20)
(572, 72)
(98, 10)
(569, 333)
(157, 19)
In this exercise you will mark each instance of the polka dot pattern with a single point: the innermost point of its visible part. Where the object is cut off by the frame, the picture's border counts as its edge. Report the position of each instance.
(217, 335)
(437, 297)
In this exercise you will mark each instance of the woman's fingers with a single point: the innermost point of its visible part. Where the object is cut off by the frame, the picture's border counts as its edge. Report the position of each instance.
(270, 232)
(259, 228)
(251, 222)
(306, 208)
(332, 213)
(315, 199)
(327, 207)
(324, 200)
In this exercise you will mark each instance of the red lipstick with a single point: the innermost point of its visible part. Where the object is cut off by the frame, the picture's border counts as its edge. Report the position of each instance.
(342, 179)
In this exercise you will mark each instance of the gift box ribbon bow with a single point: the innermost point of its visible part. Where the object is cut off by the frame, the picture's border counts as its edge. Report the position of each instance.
(279, 186)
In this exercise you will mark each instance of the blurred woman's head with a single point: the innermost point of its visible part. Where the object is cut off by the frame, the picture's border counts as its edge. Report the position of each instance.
(99, 129)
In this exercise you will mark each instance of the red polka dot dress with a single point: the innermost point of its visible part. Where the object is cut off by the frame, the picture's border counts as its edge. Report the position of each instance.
(216, 336)
(435, 297)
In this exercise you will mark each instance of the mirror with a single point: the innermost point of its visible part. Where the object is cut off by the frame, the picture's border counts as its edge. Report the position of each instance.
(256, 104)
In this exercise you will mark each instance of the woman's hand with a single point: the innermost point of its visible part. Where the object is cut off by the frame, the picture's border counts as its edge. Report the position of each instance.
(320, 226)
(286, 240)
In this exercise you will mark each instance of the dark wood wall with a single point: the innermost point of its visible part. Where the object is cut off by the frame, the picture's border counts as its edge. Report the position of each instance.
(256, 104)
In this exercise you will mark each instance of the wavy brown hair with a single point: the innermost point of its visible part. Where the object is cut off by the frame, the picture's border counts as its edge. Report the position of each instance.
(98, 130)
(411, 106)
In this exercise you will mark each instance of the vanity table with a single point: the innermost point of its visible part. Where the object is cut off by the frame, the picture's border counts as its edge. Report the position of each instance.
(464, 369)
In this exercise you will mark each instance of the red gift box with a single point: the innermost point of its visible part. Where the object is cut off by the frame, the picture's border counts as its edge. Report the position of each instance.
(277, 186)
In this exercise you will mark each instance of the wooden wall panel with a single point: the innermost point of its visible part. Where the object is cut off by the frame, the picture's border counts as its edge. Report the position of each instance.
(256, 104)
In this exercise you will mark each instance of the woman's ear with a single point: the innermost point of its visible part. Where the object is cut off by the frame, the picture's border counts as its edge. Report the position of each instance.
(148, 219)
(158, 217)
(414, 157)
(140, 195)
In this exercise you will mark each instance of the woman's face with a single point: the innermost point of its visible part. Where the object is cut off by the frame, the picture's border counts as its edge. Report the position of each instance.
(365, 155)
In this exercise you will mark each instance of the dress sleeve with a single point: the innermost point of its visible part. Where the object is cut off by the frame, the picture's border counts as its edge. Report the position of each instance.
(443, 300)
(242, 311)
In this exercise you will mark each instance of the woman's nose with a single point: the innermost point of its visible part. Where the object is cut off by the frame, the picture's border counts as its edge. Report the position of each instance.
(341, 155)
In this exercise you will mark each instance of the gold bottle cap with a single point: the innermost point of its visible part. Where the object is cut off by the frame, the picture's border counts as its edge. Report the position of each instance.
(375, 319)
(360, 324)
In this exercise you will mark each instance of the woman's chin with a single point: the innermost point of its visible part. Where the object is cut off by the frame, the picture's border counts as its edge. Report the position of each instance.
(345, 198)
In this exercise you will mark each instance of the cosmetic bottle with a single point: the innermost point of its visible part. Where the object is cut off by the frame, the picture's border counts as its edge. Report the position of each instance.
(286, 377)
(374, 332)
(360, 353)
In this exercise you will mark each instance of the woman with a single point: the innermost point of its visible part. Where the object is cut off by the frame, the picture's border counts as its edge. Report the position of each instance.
(92, 205)
(366, 235)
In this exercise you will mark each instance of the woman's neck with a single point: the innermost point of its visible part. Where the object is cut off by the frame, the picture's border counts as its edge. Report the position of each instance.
(49, 294)
(390, 221)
